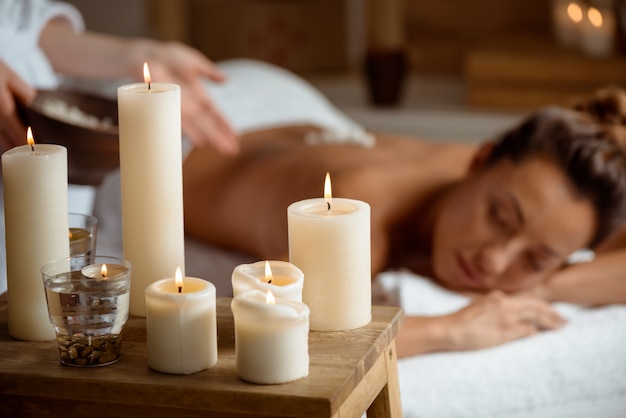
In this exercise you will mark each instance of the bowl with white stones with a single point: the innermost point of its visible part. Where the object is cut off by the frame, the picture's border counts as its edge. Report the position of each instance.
(84, 123)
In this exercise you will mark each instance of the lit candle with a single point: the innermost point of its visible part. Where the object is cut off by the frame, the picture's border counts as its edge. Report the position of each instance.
(80, 241)
(598, 32)
(36, 222)
(151, 183)
(329, 240)
(283, 279)
(271, 338)
(103, 271)
(567, 16)
(82, 234)
(181, 325)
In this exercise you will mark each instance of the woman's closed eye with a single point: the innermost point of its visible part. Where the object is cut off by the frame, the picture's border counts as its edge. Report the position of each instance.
(534, 263)
(498, 216)
(540, 261)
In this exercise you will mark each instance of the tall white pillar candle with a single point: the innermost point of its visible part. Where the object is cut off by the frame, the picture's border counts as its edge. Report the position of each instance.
(36, 222)
(282, 278)
(271, 338)
(151, 183)
(181, 326)
(329, 240)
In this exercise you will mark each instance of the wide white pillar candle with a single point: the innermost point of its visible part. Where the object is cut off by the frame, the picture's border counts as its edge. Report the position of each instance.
(284, 279)
(36, 222)
(151, 183)
(331, 245)
(271, 338)
(181, 326)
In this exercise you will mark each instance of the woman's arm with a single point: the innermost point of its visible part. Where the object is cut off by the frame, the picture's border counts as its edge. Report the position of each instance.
(594, 283)
(598, 282)
(12, 88)
(100, 56)
(490, 320)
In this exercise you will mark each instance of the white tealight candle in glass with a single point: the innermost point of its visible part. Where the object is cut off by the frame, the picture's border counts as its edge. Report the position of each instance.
(103, 271)
(271, 338)
(329, 240)
(284, 279)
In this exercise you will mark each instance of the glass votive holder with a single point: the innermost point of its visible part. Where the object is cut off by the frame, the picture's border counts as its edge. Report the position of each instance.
(88, 302)
(82, 233)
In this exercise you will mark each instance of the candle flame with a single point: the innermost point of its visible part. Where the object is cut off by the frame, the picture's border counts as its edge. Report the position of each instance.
(269, 298)
(103, 271)
(179, 279)
(328, 192)
(575, 12)
(69, 234)
(146, 74)
(595, 17)
(268, 272)
(29, 137)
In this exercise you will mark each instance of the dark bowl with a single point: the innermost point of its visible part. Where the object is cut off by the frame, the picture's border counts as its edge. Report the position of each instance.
(92, 151)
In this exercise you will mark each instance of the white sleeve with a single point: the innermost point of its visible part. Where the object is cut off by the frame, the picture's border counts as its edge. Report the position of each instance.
(21, 23)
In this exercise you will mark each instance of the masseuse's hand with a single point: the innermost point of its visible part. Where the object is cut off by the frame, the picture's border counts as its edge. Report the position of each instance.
(496, 319)
(12, 88)
(202, 121)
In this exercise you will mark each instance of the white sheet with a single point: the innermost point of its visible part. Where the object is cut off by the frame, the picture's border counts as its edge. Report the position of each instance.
(579, 370)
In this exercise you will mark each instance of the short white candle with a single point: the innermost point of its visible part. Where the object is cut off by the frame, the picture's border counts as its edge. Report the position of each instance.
(36, 222)
(151, 183)
(598, 32)
(282, 278)
(181, 325)
(329, 240)
(271, 338)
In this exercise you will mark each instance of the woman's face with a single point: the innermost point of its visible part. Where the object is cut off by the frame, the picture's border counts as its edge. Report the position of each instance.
(509, 226)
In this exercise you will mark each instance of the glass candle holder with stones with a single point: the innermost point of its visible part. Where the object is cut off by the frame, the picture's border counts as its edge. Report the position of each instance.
(88, 305)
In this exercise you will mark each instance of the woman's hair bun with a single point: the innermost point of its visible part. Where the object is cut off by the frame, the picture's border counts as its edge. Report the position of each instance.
(607, 106)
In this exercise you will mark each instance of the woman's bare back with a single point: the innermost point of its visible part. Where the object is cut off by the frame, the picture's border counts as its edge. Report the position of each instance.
(241, 203)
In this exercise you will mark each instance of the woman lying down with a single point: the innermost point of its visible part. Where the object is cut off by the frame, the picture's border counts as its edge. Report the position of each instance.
(497, 220)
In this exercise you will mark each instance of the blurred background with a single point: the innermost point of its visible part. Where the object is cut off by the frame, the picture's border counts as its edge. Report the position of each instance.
(450, 69)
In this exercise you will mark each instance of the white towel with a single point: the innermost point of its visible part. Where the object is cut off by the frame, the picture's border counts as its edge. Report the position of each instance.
(570, 372)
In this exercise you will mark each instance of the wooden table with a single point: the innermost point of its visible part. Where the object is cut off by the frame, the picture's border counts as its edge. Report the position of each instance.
(351, 372)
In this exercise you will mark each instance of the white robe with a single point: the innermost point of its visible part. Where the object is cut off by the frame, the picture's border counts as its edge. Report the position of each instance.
(21, 23)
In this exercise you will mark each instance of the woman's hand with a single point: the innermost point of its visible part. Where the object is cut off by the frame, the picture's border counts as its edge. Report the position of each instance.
(490, 320)
(12, 88)
(496, 319)
(202, 121)
(100, 56)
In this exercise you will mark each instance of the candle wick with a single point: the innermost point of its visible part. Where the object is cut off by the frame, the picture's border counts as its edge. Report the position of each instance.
(269, 281)
(149, 85)
(180, 289)
(32, 147)
(328, 204)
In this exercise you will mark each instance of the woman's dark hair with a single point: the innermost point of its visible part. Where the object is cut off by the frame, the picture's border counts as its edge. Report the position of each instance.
(588, 143)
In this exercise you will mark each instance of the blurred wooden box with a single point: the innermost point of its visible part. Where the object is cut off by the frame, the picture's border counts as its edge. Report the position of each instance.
(526, 73)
